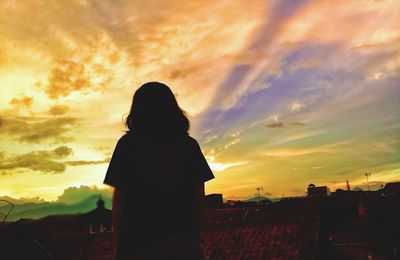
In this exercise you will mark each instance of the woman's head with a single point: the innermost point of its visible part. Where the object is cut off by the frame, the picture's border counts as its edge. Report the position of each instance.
(154, 109)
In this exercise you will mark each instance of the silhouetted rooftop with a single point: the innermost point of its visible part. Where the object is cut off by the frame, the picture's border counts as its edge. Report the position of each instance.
(271, 241)
(391, 188)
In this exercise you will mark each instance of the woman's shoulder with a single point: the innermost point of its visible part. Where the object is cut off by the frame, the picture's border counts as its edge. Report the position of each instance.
(130, 138)
(190, 139)
(192, 142)
(126, 138)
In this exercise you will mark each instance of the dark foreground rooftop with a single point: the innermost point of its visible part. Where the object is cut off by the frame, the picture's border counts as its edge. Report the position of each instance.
(277, 241)
(344, 225)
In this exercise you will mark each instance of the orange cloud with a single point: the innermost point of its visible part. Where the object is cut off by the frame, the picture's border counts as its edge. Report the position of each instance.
(57, 110)
(37, 129)
(66, 77)
(44, 161)
(23, 101)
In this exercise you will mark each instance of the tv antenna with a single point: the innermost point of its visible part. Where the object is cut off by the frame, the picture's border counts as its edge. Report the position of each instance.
(258, 191)
(366, 176)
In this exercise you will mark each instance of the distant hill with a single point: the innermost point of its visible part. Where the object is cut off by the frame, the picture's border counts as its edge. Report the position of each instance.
(38, 210)
(257, 199)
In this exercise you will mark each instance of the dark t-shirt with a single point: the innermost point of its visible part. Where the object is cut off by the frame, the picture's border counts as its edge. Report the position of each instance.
(158, 178)
(157, 160)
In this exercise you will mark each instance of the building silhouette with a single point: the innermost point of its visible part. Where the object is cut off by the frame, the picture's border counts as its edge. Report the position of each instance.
(321, 191)
(322, 225)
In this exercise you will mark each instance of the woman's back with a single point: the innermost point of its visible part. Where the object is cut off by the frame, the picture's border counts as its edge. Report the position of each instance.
(157, 177)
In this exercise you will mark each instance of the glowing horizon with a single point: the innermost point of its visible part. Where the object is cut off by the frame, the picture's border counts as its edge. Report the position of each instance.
(280, 94)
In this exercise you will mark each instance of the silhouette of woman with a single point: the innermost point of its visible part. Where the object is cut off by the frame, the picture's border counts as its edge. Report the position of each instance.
(158, 172)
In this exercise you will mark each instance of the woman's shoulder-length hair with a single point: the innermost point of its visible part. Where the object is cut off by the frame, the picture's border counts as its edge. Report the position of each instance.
(154, 110)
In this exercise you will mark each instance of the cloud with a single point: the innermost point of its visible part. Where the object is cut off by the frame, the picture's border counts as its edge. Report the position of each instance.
(243, 76)
(70, 195)
(282, 124)
(326, 149)
(83, 162)
(23, 101)
(372, 186)
(209, 138)
(42, 160)
(296, 106)
(66, 77)
(93, 41)
(58, 110)
(298, 123)
(103, 149)
(37, 129)
(45, 161)
(185, 71)
(73, 195)
(63, 151)
(275, 125)
(16, 201)
(217, 166)
(268, 194)
(307, 63)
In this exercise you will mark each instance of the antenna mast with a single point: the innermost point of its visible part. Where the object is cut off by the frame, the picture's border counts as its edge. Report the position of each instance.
(366, 176)
(258, 191)
(348, 185)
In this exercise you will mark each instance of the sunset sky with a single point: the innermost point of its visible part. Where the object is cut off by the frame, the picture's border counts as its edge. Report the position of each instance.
(280, 93)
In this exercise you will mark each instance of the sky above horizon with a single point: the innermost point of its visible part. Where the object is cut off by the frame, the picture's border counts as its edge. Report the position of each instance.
(280, 93)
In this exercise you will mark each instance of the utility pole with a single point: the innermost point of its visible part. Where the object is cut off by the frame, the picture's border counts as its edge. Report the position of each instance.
(366, 176)
(258, 191)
